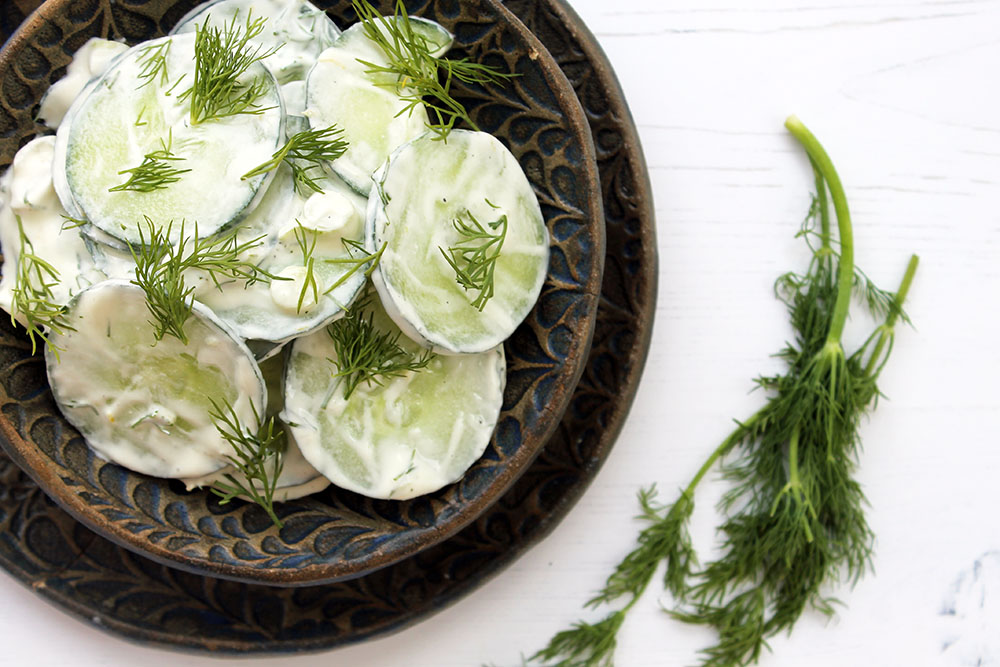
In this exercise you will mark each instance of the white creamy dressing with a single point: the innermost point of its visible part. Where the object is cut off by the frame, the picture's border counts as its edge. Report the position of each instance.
(142, 403)
(429, 184)
(27, 195)
(270, 311)
(90, 61)
(297, 478)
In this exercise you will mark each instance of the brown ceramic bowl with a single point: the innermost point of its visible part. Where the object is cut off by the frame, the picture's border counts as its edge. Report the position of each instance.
(335, 534)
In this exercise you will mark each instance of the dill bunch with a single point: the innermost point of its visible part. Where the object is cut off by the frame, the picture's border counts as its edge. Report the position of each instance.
(793, 516)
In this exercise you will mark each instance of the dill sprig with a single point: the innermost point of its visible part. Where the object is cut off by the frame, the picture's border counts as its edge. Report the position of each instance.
(160, 266)
(258, 457)
(311, 147)
(156, 171)
(794, 514)
(366, 354)
(418, 76)
(474, 257)
(370, 258)
(32, 296)
(222, 56)
(153, 63)
(69, 222)
(307, 246)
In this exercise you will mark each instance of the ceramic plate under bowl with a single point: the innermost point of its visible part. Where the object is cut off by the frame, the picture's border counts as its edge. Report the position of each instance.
(336, 534)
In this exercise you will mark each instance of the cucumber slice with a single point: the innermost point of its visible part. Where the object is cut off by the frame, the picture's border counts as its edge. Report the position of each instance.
(408, 436)
(341, 92)
(299, 28)
(436, 36)
(271, 311)
(425, 188)
(125, 118)
(145, 404)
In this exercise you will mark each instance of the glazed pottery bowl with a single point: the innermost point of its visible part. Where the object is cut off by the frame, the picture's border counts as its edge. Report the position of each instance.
(335, 534)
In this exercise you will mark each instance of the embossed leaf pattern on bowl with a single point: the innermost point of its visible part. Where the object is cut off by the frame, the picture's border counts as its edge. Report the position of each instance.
(335, 534)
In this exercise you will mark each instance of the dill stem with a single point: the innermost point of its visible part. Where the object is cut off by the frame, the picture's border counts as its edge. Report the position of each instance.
(824, 209)
(894, 313)
(731, 440)
(845, 278)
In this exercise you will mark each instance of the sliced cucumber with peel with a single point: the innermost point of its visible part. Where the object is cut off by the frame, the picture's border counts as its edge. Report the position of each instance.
(427, 189)
(126, 118)
(146, 404)
(297, 28)
(340, 91)
(407, 436)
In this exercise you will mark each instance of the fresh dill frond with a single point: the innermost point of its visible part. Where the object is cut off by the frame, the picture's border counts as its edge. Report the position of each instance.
(474, 257)
(258, 457)
(307, 246)
(793, 516)
(69, 222)
(311, 147)
(156, 171)
(370, 258)
(32, 296)
(222, 58)
(365, 354)
(160, 266)
(152, 61)
(417, 76)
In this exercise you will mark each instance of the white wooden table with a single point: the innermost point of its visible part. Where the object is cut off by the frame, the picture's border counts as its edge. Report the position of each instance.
(906, 97)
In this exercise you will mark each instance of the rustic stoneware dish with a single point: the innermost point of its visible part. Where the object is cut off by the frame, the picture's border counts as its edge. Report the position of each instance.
(336, 534)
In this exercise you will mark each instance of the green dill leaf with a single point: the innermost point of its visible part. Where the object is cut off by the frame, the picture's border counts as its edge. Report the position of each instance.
(152, 61)
(222, 58)
(69, 222)
(474, 257)
(355, 262)
(417, 76)
(307, 246)
(258, 457)
(365, 354)
(32, 296)
(312, 147)
(156, 171)
(161, 265)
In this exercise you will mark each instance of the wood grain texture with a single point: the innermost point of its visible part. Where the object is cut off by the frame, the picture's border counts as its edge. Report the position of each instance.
(904, 95)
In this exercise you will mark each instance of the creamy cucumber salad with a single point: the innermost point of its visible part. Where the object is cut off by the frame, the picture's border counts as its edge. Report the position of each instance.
(261, 256)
